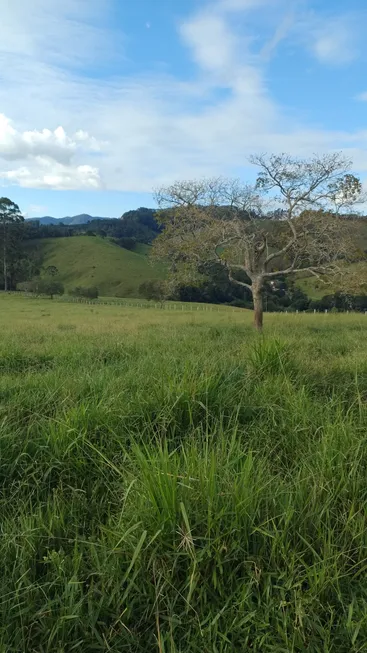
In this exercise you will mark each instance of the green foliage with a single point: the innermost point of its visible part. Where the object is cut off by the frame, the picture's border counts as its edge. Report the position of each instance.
(10, 239)
(340, 302)
(126, 242)
(45, 287)
(140, 224)
(52, 271)
(155, 290)
(270, 357)
(173, 482)
(79, 291)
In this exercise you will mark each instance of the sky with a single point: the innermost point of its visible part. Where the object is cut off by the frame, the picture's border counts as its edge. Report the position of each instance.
(103, 101)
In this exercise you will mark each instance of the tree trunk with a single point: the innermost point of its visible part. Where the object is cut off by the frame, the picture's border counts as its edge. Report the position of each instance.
(258, 306)
(5, 268)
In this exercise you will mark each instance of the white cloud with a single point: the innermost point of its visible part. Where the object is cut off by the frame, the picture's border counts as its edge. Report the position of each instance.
(241, 5)
(56, 144)
(52, 175)
(335, 41)
(212, 42)
(362, 97)
(36, 209)
(281, 31)
(70, 32)
(49, 156)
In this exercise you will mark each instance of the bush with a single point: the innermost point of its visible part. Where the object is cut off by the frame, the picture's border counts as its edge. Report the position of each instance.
(89, 293)
(154, 290)
(240, 303)
(25, 286)
(126, 242)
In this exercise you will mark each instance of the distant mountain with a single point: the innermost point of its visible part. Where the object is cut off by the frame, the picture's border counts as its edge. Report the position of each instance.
(47, 219)
(83, 218)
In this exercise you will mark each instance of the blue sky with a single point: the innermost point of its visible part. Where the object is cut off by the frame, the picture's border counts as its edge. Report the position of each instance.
(102, 101)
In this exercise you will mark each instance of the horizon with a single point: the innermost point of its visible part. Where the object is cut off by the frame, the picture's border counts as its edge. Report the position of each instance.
(101, 102)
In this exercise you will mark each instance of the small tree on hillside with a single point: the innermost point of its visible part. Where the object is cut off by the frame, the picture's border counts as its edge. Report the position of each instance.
(51, 271)
(223, 220)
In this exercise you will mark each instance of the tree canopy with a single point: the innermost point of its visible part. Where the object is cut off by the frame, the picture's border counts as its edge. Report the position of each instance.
(10, 235)
(226, 221)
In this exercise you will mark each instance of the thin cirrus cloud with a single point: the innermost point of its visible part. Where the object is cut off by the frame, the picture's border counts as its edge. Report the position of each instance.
(132, 133)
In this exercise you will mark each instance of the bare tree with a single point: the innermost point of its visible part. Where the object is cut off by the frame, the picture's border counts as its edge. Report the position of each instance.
(223, 220)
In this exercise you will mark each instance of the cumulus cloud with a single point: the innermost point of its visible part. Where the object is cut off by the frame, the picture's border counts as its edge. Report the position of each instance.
(49, 155)
(52, 175)
(56, 144)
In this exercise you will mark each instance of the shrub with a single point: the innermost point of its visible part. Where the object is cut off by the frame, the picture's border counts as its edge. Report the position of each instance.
(89, 293)
(126, 242)
(25, 286)
(154, 290)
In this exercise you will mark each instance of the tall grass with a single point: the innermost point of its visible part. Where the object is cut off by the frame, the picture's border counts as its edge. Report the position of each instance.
(174, 483)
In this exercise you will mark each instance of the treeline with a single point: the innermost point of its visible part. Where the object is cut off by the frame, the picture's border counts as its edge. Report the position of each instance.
(135, 226)
(279, 296)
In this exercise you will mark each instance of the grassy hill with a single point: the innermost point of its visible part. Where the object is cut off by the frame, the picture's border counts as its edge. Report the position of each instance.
(316, 289)
(94, 261)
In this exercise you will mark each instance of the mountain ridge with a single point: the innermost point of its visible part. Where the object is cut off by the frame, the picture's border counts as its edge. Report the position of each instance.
(81, 218)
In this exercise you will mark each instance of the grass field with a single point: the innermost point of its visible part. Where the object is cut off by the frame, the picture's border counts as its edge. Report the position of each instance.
(93, 261)
(173, 482)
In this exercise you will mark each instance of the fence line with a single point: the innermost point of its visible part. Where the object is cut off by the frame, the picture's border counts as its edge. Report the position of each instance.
(137, 304)
(169, 305)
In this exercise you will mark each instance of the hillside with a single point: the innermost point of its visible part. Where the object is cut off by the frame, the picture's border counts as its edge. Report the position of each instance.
(316, 289)
(94, 261)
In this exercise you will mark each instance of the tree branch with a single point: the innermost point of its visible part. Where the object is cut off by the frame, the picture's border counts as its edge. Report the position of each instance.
(240, 283)
(282, 251)
(315, 271)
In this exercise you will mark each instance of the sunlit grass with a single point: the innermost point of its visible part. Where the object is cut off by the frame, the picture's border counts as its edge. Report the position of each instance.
(94, 261)
(171, 481)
